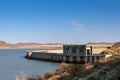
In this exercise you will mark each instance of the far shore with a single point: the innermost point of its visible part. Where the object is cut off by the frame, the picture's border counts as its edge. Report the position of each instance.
(34, 47)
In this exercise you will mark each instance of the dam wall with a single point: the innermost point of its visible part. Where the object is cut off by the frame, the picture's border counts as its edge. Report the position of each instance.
(43, 54)
(54, 57)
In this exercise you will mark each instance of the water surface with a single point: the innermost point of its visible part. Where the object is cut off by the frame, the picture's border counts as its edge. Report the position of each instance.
(12, 63)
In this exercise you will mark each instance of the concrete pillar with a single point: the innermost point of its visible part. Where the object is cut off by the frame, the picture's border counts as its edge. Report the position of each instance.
(64, 58)
(86, 59)
(95, 59)
(77, 51)
(78, 59)
(90, 57)
(54, 57)
(71, 59)
(57, 57)
(60, 57)
(70, 50)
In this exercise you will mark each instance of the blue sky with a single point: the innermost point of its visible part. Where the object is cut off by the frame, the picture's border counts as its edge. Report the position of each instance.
(60, 21)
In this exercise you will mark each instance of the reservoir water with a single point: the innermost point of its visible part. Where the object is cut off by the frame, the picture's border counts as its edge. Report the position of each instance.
(12, 63)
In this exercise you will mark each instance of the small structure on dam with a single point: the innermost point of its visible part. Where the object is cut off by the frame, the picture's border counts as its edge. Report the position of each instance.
(69, 53)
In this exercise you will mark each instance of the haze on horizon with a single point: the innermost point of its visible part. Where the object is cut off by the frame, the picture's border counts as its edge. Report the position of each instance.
(60, 21)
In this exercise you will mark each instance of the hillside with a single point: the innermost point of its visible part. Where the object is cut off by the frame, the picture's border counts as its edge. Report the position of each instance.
(4, 44)
(115, 49)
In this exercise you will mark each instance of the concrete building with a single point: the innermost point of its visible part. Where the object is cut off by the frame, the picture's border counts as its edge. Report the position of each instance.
(77, 54)
(77, 50)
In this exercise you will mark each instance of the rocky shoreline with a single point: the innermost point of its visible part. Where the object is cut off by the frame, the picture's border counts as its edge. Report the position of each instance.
(101, 70)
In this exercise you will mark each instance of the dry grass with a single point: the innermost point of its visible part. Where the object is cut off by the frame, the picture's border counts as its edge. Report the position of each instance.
(97, 71)
(22, 76)
(113, 50)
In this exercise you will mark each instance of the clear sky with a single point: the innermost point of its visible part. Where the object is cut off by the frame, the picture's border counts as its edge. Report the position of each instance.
(60, 21)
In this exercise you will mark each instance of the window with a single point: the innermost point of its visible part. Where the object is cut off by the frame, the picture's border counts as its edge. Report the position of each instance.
(81, 49)
(88, 52)
(74, 49)
(67, 49)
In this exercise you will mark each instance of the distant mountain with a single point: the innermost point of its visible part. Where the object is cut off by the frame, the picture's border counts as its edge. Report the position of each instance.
(4, 44)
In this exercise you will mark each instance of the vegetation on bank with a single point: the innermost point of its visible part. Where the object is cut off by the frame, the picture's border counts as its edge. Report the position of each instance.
(103, 69)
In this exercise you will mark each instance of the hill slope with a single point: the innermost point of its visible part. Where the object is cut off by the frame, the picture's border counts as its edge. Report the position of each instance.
(4, 44)
(115, 49)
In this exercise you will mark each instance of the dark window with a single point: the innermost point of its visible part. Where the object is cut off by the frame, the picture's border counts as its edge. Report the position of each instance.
(67, 49)
(74, 49)
(81, 49)
(88, 52)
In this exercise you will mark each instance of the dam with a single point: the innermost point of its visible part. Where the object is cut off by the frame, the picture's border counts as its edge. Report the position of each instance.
(69, 53)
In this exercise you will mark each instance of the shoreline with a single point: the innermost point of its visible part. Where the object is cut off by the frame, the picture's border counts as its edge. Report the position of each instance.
(36, 47)
(31, 48)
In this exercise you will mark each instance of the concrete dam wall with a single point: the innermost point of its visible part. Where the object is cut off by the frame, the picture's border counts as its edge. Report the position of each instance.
(43, 54)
